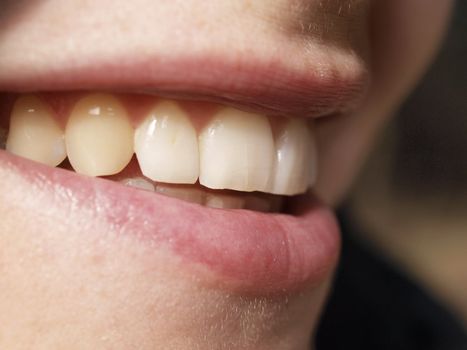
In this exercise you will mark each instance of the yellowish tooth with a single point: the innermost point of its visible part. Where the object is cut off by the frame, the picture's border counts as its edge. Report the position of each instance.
(236, 151)
(166, 145)
(99, 136)
(34, 133)
(295, 163)
(188, 194)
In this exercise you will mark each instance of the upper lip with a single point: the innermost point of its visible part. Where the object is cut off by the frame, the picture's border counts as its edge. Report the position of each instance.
(272, 87)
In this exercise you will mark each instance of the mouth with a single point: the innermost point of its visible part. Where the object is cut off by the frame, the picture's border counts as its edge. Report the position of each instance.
(222, 182)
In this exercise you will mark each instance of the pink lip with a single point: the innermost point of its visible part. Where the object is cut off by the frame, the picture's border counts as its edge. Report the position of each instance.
(249, 251)
(273, 87)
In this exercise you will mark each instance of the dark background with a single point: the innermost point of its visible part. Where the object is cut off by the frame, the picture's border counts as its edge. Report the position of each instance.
(431, 129)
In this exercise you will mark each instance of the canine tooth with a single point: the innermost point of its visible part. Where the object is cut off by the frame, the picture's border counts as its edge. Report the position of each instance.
(166, 145)
(224, 201)
(99, 136)
(236, 151)
(295, 162)
(34, 133)
(138, 182)
(193, 195)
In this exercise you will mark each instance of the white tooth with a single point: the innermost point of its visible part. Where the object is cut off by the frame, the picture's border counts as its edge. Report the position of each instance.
(99, 136)
(34, 133)
(138, 182)
(295, 165)
(236, 151)
(166, 145)
(188, 194)
(224, 201)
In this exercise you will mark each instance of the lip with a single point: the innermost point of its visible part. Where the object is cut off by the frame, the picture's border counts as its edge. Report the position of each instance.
(247, 251)
(271, 86)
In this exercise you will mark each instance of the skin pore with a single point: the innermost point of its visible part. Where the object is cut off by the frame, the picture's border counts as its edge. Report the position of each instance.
(67, 281)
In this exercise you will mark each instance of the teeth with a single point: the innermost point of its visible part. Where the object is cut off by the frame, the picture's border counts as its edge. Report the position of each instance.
(138, 182)
(224, 201)
(166, 145)
(99, 136)
(295, 164)
(34, 134)
(236, 151)
(188, 194)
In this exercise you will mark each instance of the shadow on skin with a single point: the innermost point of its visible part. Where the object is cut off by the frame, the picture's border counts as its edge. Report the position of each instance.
(14, 10)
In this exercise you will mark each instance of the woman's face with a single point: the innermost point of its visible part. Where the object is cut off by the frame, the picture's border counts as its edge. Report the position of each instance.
(91, 263)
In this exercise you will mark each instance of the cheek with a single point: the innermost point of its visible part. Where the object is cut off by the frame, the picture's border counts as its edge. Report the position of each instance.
(59, 285)
(404, 37)
(343, 144)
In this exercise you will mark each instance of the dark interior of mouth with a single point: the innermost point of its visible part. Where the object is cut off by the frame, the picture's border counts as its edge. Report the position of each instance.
(196, 193)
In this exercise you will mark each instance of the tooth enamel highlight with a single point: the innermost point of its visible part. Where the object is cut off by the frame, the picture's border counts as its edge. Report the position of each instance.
(295, 163)
(34, 134)
(236, 151)
(99, 136)
(140, 183)
(166, 145)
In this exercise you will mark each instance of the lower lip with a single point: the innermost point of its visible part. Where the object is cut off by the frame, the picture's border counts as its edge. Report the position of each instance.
(248, 251)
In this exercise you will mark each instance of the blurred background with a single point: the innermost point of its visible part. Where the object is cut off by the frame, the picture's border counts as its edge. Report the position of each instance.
(412, 195)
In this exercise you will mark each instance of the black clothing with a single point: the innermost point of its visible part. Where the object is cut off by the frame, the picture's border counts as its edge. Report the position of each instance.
(374, 306)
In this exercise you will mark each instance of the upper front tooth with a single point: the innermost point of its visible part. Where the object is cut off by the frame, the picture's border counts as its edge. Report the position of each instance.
(99, 136)
(295, 164)
(166, 145)
(236, 151)
(34, 133)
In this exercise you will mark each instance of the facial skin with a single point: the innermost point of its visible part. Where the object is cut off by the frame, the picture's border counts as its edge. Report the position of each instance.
(67, 283)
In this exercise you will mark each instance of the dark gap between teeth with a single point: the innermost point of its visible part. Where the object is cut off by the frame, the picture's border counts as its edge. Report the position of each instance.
(257, 201)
